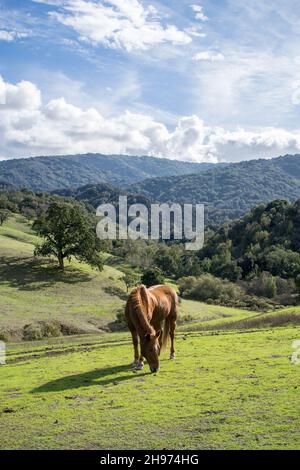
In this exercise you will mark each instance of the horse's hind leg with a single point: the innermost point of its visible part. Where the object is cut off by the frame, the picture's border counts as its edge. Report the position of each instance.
(172, 336)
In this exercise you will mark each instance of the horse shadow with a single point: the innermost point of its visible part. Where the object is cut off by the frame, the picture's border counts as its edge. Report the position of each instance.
(101, 377)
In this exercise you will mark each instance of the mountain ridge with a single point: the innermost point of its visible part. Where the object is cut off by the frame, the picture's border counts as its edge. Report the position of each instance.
(48, 173)
(231, 191)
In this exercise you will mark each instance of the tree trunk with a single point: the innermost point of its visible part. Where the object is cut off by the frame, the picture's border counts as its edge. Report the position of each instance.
(61, 261)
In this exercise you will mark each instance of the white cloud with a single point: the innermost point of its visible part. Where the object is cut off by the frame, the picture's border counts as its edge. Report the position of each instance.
(11, 35)
(118, 24)
(296, 92)
(30, 127)
(199, 13)
(25, 95)
(209, 56)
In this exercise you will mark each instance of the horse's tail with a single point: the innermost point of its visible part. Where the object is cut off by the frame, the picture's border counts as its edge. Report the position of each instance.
(167, 322)
(142, 290)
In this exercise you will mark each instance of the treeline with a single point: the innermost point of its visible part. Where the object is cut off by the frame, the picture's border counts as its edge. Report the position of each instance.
(28, 203)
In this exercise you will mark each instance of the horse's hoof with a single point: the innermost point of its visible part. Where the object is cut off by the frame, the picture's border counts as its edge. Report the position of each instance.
(140, 366)
(172, 356)
(134, 365)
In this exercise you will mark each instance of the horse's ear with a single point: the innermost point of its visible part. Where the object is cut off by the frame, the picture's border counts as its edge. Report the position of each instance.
(158, 334)
(148, 336)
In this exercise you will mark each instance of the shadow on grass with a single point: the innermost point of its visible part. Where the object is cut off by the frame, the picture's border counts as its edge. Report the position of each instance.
(30, 274)
(116, 291)
(107, 376)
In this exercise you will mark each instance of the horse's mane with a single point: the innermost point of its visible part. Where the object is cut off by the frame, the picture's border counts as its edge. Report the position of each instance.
(140, 304)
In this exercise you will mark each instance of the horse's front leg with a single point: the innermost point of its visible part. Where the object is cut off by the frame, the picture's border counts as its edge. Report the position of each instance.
(141, 363)
(138, 362)
(136, 349)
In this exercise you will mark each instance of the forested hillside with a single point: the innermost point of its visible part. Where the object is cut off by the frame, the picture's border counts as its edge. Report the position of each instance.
(267, 239)
(72, 171)
(102, 193)
(231, 191)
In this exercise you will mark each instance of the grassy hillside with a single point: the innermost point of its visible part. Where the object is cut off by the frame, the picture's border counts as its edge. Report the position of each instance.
(49, 173)
(224, 391)
(230, 191)
(80, 300)
(32, 290)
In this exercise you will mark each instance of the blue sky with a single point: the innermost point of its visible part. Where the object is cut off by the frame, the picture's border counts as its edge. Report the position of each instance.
(202, 81)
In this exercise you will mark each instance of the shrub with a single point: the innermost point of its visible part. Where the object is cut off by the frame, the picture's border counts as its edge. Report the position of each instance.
(216, 291)
(208, 288)
(120, 317)
(4, 336)
(185, 319)
(50, 330)
(152, 277)
(32, 332)
(263, 286)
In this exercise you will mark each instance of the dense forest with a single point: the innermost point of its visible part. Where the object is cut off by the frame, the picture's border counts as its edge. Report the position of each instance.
(95, 194)
(266, 239)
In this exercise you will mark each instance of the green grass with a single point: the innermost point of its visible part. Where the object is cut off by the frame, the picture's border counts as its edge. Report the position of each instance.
(224, 391)
(203, 313)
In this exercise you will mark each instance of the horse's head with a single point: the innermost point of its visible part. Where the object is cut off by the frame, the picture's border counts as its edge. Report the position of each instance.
(150, 349)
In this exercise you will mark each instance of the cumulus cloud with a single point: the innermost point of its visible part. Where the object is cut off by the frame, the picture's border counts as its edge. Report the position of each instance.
(199, 13)
(30, 127)
(118, 24)
(209, 56)
(11, 35)
(24, 95)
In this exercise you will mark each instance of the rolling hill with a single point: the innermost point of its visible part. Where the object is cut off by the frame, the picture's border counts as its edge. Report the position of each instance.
(72, 171)
(230, 191)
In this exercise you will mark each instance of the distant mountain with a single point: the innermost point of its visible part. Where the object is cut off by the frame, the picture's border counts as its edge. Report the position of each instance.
(72, 171)
(230, 191)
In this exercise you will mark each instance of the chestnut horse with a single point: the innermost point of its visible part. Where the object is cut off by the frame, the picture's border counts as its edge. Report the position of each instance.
(151, 315)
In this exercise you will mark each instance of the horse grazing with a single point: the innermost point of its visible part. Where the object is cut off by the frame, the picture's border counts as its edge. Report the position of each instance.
(151, 315)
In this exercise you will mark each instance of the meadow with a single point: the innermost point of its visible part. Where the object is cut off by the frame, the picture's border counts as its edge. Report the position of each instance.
(232, 386)
(230, 390)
